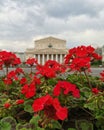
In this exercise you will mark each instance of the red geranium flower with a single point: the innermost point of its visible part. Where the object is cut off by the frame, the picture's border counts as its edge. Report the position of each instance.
(23, 80)
(102, 76)
(20, 101)
(95, 90)
(36, 80)
(80, 63)
(9, 58)
(19, 71)
(66, 88)
(50, 69)
(79, 58)
(31, 61)
(17, 61)
(7, 105)
(12, 75)
(7, 81)
(28, 90)
(51, 107)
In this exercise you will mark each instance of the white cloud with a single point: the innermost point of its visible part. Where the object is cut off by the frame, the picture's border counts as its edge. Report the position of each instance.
(11, 13)
(78, 22)
(88, 37)
(15, 45)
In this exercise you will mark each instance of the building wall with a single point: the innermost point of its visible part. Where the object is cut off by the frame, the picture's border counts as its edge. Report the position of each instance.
(21, 55)
(49, 48)
(55, 43)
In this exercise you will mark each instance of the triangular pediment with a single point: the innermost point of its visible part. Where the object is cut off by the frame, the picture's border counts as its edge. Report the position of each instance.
(50, 39)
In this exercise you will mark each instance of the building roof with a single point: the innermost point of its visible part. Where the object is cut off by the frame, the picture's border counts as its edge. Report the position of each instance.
(50, 38)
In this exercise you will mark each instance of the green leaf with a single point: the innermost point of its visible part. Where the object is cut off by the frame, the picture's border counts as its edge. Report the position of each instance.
(35, 120)
(26, 126)
(5, 126)
(91, 105)
(71, 129)
(86, 92)
(83, 125)
(28, 106)
(8, 122)
(38, 128)
(25, 129)
(56, 125)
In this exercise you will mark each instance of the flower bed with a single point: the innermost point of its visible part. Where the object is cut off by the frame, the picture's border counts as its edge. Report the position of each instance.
(47, 99)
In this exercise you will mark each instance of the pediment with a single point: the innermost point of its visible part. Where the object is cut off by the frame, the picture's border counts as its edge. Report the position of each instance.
(50, 39)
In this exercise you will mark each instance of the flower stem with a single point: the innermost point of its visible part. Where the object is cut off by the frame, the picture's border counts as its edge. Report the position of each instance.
(80, 74)
(88, 79)
(7, 70)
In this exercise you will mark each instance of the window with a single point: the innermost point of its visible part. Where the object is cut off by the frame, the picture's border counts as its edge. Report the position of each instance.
(50, 45)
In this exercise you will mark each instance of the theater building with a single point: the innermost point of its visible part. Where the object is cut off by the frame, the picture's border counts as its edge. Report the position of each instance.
(48, 48)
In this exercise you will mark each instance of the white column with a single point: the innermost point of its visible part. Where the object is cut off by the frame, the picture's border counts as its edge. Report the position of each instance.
(56, 57)
(35, 56)
(60, 58)
(52, 57)
(42, 59)
(39, 58)
(47, 56)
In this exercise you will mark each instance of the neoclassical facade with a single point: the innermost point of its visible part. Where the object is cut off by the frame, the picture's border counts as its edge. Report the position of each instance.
(48, 48)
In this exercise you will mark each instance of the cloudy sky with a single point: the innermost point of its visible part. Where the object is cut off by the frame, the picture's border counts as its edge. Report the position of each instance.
(79, 22)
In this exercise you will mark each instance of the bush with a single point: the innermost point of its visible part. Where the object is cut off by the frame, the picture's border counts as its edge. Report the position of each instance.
(55, 96)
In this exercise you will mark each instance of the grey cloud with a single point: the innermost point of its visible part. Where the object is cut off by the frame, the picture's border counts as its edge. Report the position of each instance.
(2, 2)
(30, 3)
(21, 29)
(15, 45)
(27, 19)
(62, 9)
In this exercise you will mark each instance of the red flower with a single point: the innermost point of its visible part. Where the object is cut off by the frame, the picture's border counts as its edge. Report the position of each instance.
(50, 69)
(28, 90)
(81, 51)
(12, 75)
(80, 58)
(9, 58)
(20, 101)
(51, 107)
(90, 50)
(7, 105)
(19, 71)
(23, 80)
(36, 80)
(96, 56)
(45, 71)
(66, 88)
(95, 90)
(102, 76)
(80, 63)
(17, 61)
(39, 103)
(7, 81)
(31, 61)
(68, 57)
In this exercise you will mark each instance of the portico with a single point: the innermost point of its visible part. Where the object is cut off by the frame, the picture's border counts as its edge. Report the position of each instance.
(42, 58)
(48, 49)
